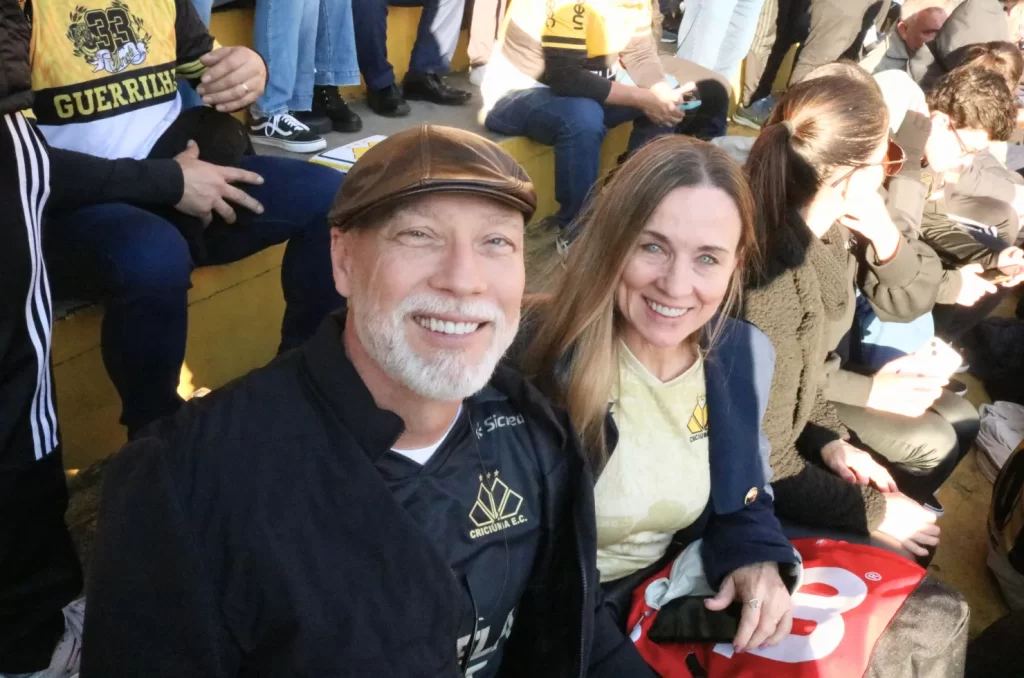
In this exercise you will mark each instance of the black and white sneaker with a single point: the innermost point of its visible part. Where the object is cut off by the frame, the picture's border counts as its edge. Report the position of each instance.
(284, 131)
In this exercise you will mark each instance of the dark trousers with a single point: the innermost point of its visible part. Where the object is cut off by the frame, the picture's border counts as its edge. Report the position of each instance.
(39, 570)
(371, 28)
(140, 263)
(781, 25)
(835, 25)
(953, 322)
(920, 452)
(487, 16)
(991, 221)
(576, 126)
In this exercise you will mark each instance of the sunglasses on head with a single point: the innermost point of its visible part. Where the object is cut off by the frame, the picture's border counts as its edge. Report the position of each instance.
(892, 163)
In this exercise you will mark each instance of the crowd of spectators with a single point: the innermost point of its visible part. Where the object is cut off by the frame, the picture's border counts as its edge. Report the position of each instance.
(739, 339)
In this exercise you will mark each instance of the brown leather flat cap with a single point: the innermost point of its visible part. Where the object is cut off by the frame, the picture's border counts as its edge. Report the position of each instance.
(431, 159)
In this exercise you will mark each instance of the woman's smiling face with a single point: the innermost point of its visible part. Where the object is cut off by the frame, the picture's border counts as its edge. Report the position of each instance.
(678, 274)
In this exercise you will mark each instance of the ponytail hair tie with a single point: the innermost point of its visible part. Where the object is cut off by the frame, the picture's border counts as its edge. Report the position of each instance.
(790, 129)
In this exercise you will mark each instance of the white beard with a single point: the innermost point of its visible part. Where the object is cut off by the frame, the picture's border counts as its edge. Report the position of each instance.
(445, 375)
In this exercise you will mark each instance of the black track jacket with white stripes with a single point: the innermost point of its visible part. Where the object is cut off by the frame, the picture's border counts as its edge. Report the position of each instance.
(28, 421)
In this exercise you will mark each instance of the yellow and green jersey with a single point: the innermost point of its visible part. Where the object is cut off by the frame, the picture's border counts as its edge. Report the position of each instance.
(577, 46)
(104, 71)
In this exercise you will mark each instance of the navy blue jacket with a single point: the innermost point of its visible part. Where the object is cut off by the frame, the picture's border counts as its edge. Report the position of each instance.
(251, 535)
(738, 526)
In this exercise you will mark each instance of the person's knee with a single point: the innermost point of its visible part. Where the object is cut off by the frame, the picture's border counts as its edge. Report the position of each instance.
(962, 416)
(934, 443)
(156, 260)
(996, 218)
(582, 119)
(1009, 227)
(320, 185)
(999, 215)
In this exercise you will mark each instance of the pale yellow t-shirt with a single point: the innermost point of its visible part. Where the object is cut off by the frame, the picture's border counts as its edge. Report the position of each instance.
(658, 480)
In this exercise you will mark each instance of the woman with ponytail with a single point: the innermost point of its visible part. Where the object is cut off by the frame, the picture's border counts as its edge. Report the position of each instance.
(824, 231)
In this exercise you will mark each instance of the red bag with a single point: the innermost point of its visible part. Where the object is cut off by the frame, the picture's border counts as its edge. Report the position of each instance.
(849, 595)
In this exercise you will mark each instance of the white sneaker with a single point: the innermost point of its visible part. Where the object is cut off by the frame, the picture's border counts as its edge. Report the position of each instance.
(68, 654)
(476, 75)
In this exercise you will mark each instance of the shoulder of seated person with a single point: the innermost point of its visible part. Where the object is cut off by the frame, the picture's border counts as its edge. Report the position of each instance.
(239, 418)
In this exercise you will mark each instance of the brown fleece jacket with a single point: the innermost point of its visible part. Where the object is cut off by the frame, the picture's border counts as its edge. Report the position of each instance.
(802, 300)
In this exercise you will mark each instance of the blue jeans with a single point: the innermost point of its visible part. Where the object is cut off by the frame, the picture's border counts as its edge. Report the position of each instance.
(717, 34)
(436, 38)
(305, 43)
(882, 341)
(140, 264)
(575, 126)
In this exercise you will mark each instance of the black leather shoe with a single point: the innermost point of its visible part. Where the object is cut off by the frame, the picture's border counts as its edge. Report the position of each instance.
(327, 101)
(387, 102)
(432, 87)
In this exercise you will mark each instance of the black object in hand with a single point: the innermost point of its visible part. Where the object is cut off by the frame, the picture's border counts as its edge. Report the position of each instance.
(687, 620)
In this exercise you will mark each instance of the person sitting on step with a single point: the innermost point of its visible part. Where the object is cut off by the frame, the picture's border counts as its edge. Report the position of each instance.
(565, 73)
(436, 39)
(134, 252)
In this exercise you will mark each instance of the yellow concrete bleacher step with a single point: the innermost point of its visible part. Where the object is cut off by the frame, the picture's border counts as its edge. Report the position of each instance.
(235, 311)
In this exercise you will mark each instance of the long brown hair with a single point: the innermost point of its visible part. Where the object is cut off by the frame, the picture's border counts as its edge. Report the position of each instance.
(573, 354)
(836, 117)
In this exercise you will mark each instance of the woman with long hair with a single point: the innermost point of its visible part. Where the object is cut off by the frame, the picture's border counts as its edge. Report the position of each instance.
(666, 391)
(815, 171)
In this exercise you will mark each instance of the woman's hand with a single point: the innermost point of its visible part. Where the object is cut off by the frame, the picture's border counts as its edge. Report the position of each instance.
(856, 467)
(767, 615)
(870, 217)
(909, 523)
(972, 286)
(900, 388)
(1011, 262)
(661, 104)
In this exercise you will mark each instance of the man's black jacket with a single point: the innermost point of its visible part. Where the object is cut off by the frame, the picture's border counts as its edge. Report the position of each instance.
(252, 535)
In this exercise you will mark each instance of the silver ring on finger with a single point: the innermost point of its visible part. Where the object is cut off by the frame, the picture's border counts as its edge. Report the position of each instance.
(754, 603)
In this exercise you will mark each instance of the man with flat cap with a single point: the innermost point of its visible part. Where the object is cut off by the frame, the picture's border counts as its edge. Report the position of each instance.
(387, 500)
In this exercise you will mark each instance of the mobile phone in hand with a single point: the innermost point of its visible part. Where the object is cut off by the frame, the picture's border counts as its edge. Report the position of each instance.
(937, 359)
(690, 102)
(997, 275)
